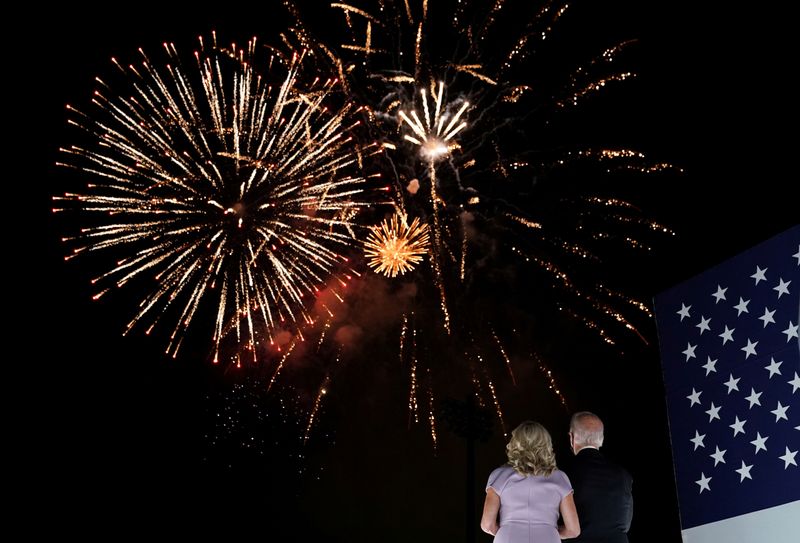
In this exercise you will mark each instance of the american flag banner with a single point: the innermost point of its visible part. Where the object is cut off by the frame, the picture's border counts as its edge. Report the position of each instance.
(731, 364)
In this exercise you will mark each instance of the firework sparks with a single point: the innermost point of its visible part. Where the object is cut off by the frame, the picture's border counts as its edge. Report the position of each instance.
(464, 240)
(279, 367)
(312, 416)
(551, 382)
(413, 403)
(223, 183)
(395, 247)
(505, 357)
(492, 393)
(245, 425)
(432, 412)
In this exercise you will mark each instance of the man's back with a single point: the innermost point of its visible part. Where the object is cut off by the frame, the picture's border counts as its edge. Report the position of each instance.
(602, 497)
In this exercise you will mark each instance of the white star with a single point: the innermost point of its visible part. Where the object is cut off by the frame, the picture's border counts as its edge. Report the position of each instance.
(759, 275)
(698, 440)
(689, 352)
(795, 383)
(727, 335)
(732, 384)
(788, 458)
(703, 482)
(703, 326)
(684, 312)
(790, 332)
(780, 412)
(709, 366)
(749, 349)
(720, 294)
(773, 368)
(713, 413)
(797, 255)
(738, 426)
(759, 442)
(694, 397)
(741, 307)
(753, 398)
(782, 287)
(767, 317)
(744, 471)
(718, 456)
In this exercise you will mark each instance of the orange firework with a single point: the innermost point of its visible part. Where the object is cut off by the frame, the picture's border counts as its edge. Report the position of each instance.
(395, 247)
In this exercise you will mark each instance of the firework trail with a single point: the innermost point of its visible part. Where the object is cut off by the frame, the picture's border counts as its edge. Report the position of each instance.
(233, 182)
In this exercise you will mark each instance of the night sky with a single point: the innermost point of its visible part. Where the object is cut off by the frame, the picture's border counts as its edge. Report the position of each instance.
(113, 436)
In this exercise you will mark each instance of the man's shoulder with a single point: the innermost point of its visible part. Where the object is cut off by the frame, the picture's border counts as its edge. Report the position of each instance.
(591, 460)
(577, 465)
(616, 466)
(588, 456)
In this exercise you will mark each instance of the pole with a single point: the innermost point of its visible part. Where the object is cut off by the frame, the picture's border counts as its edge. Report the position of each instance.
(470, 478)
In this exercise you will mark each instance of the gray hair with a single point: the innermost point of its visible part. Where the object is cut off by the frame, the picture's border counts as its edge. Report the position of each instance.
(587, 429)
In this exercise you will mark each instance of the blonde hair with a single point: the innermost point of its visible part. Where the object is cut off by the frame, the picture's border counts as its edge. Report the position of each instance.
(530, 450)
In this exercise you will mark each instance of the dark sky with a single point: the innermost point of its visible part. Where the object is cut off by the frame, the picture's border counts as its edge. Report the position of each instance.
(114, 435)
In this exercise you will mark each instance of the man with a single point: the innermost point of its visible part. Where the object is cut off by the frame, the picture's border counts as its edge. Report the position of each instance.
(602, 489)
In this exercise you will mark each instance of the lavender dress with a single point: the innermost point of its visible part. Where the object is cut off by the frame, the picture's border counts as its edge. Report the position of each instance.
(528, 505)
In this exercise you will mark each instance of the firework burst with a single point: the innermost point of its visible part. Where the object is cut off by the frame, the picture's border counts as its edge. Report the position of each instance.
(233, 183)
(396, 247)
(434, 138)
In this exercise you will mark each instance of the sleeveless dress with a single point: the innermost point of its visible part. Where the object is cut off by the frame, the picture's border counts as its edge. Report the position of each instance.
(528, 505)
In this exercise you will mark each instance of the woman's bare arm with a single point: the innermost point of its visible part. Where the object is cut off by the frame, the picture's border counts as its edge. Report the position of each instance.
(490, 509)
(571, 527)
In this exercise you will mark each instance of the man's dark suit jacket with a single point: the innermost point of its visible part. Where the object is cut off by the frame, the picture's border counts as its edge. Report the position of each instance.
(602, 497)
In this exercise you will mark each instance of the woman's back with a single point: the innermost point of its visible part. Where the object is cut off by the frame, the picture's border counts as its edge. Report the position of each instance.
(529, 505)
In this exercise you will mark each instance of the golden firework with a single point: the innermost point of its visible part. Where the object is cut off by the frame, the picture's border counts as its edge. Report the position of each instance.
(395, 247)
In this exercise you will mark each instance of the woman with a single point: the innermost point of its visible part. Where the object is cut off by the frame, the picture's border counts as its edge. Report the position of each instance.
(529, 492)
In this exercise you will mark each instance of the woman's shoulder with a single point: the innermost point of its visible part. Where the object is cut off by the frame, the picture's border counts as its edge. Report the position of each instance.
(560, 477)
(500, 471)
(499, 477)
